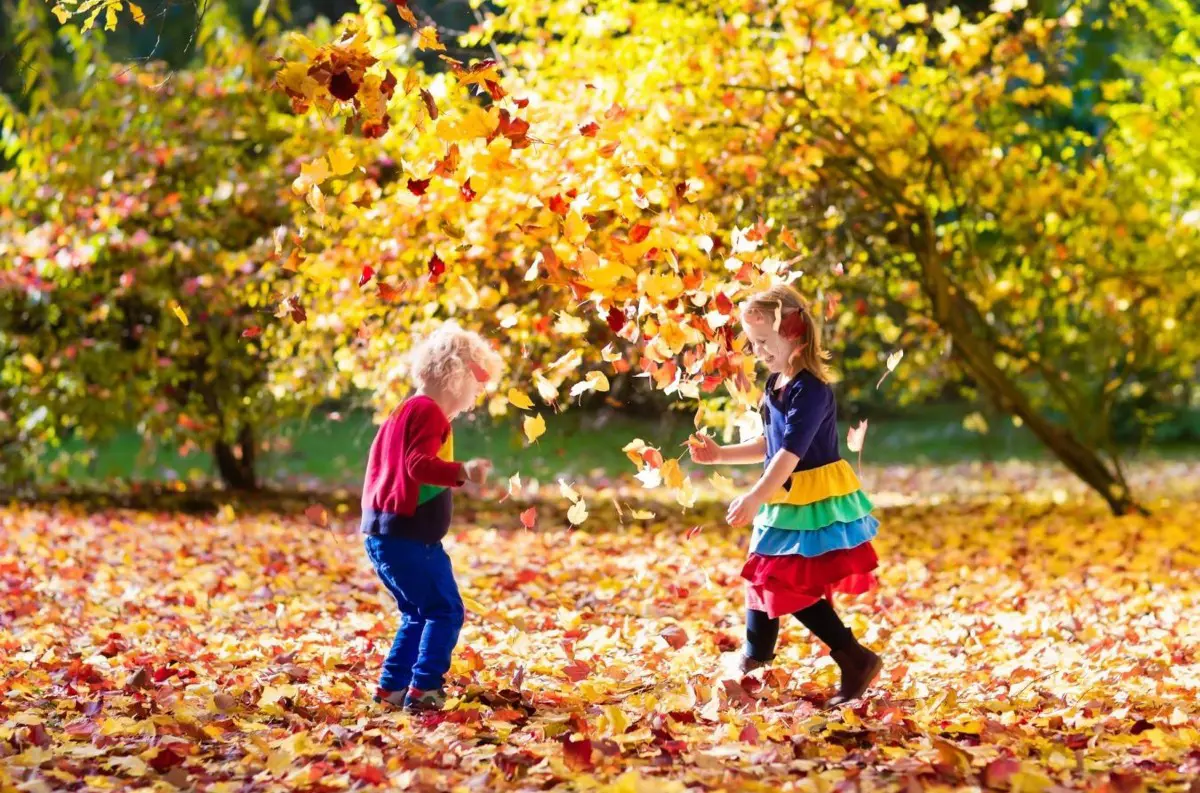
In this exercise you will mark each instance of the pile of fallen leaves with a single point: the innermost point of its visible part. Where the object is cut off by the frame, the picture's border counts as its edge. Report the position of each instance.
(1029, 646)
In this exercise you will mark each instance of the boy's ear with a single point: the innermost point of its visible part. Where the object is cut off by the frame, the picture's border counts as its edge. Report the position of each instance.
(481, 376)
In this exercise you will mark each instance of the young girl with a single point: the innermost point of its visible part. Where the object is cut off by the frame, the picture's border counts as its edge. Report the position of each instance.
(812, 523)
(406, 510)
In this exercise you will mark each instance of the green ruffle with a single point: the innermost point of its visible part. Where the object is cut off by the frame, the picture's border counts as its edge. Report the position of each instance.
(811, 517)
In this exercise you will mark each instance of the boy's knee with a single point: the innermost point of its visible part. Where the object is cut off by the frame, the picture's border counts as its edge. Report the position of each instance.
(450, 612)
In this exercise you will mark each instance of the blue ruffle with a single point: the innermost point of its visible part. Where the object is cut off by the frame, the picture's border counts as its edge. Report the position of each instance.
(768, 541)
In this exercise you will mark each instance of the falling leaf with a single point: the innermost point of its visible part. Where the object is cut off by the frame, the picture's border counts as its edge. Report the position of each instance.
(672, 474)
(693, 532)
(578, 513)
(430, 105)
(589, 129)
(252, 332)
(519, 400)
(366, 275)
(893, 361)
(467, 192)
(33, 364)
(427, 39)
(436, 268)
(568, 492)
(856, 436)
(179, 312)
(418, 186)
(535, 427)
(341, 162)
(529, 517)
(139, 16)
(318, 515)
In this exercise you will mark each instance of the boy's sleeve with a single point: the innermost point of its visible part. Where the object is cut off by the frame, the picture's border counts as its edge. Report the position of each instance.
(807, 409)
(421, 461)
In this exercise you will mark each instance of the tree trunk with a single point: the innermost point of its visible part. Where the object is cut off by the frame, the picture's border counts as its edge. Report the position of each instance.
(235, 462)
(953, 311)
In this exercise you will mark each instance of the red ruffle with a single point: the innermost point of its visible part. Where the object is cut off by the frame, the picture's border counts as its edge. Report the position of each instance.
(785, 584)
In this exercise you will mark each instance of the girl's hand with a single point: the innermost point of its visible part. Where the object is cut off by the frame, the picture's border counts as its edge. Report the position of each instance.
(477, 470)
(704, 450)
(742, 509)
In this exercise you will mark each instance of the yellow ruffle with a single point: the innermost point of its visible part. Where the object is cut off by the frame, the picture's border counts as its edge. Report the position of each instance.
(807, 487)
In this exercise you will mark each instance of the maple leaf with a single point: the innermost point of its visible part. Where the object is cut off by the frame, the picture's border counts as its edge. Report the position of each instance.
(792, 326)
(724, 304)
(427, 39)
(430, 105)
(436, 268)
(514, 128)
(589, 129)
(367, 274)
(418, 186)
(467, 192)
(615, 319)
(405, 12)
(342, 86)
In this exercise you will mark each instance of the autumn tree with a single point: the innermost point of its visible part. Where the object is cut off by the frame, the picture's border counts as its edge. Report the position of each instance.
(148, 253)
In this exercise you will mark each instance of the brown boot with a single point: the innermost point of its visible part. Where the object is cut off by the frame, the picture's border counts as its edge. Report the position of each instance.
(749, 664)
(859, 668)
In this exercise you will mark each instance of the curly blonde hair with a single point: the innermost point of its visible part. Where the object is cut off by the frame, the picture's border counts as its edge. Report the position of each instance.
(782, 303)
(450, 358)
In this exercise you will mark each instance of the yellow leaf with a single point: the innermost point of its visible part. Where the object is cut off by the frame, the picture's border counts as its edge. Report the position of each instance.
(178, 310)
(311, 174)
(672, 474)
(31, 363)
(427, 39)
(567, 491)
(519, 400)
(139, 16)
(722, 483)
(411, 81)
(62, 14)
(642, 514)
(617, 722)
(341, 162)
(598, 381)
(110, 16)
(576, 228)
(535, 427)
(578, 513)
(916, 14)
(473, 605)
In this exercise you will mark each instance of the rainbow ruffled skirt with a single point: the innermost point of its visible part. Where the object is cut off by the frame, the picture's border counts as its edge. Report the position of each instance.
(813, 539)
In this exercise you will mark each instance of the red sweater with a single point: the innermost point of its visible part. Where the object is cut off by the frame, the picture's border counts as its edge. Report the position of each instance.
(404, 456)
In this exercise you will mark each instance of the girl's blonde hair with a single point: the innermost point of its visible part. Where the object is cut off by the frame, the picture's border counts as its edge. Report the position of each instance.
(789, 313)
(450, 358)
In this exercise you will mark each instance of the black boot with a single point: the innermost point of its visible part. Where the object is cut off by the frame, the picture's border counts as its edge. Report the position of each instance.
(859, 668)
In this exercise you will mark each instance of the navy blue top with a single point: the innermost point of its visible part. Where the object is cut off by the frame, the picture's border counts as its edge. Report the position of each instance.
(802, 418)
(428, 524)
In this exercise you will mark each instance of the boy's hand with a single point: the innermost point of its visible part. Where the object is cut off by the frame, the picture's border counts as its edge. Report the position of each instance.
(742, 509)
(477, 470)
(703, 449)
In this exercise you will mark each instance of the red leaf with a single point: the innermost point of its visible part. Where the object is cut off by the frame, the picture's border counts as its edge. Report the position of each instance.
(514, 128)
(318, 515)
(558, 204)
(681, 189)
(616, 319)
(430, 105)
(576, 671)
(529, 517)
(675, 636)
(376, 129)
(653, 458)
(831, 304)
(724, 304)
(589, 129)
(436, 268)
(165, 760)
(252, 332)
(749, 734)
(292, 306)
(997, 773)
(418, 186)
(578, 754)
(342, 86)
(387, 292)
(693, 531)
(448, 165)
(792, 326)
(388, 86)
(521, 103)
(468, 193)
(368, 273)
(370, 774)
(494, 90)
(639, 233)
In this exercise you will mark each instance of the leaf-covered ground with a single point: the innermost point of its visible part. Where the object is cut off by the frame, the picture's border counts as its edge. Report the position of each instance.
(1029, 646)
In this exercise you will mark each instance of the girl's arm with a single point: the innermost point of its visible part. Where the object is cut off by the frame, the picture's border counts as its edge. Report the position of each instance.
(742, 510)
(706, 451)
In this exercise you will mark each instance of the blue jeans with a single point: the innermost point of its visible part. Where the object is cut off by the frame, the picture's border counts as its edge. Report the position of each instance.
(419, 576)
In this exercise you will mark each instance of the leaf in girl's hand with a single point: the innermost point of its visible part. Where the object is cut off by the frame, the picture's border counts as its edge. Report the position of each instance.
(529, 518)
(578, 513)
(519, 400)
(893, 361)
(856, 436)
(535, 427)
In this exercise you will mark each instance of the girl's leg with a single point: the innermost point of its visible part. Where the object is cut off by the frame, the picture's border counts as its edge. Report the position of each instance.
(761, 634)
(859, 666)
(826, 625)
(398, 666)
(442, 609)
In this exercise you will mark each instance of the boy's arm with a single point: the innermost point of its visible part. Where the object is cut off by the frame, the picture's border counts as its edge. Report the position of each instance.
(421, 461)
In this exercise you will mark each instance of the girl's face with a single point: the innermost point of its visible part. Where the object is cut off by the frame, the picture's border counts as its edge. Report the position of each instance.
(774, 351)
